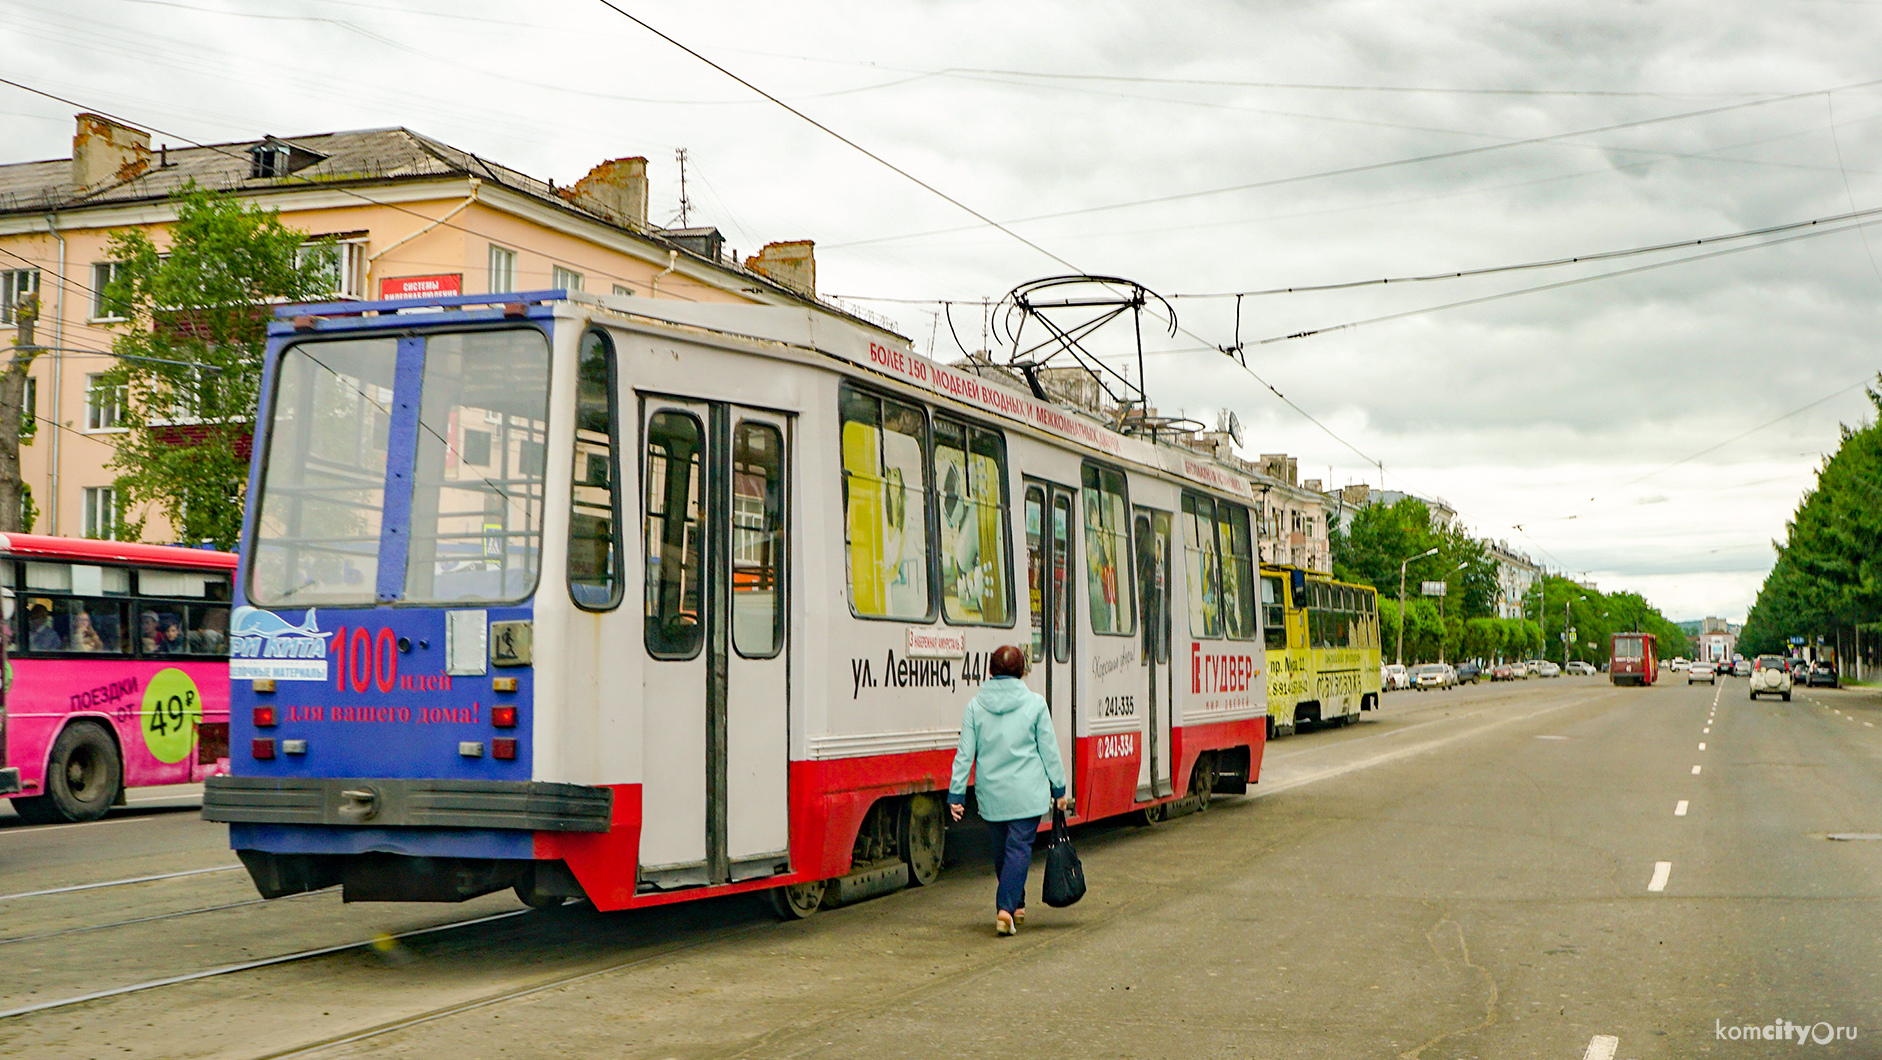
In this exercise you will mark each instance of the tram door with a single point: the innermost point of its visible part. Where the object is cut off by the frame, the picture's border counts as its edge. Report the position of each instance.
(1049, 510)
(1152, 537)
(715, 792)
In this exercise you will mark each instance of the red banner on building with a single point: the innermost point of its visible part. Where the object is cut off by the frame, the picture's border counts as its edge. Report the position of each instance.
(421, 286)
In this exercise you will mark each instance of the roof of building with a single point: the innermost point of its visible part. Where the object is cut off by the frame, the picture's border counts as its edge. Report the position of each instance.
(365, 156)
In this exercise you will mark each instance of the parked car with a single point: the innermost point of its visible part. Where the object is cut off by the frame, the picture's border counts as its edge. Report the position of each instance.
(1502, 672)
(1679, 663)
(1701, 671)
(1468, 673)
(1546, 668)
(1770, 677)
(1580, 668)
(1432, 675)
(1519, 671)
(1822, 673)
(1395, 677)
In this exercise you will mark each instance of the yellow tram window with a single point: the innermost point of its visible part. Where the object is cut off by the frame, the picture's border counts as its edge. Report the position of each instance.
(885, 458)
(1107, 544)
(1202, 566)
(970, 495)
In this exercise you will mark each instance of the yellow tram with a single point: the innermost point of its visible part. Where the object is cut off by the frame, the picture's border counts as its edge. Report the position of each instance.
(1322, 639)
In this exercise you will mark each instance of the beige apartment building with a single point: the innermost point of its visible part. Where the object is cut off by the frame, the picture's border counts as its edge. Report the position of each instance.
(410, 215)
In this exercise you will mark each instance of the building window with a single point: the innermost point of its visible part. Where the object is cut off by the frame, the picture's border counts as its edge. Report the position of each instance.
(623, 290)
(14, 285)
(502, 269)
(561, 279)
(101, 512)
(107, 304)
(104, 404)
(342, 260)
(29, 410)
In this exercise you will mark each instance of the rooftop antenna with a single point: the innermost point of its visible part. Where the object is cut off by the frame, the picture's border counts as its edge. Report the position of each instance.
(686, 204)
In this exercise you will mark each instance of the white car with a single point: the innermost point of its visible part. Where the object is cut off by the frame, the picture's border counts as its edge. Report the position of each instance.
(1770, 677)
(1433, 675)
(1582, 668)
(1519, 671)
(1678, 664)
(1394, 677)
(1545, 668)
(1701, 671)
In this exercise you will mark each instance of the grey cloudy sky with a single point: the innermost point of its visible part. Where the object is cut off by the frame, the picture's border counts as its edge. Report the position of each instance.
(1550, 419)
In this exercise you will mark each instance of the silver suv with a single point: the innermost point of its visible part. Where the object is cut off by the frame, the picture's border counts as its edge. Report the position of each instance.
(1770, 676)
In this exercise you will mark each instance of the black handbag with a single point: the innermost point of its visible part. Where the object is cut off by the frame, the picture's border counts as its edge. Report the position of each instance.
(1065, 875)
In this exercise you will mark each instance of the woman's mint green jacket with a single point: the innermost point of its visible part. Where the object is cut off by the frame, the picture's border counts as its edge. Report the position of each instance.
(1007, 733)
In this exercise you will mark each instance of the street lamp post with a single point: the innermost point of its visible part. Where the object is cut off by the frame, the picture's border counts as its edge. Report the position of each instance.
(1401, 599)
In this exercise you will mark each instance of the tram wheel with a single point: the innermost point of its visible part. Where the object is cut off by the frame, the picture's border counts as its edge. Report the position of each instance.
(1154, 814)
(82, 778)
(923, 838)
(1202, 781)
(796, 901)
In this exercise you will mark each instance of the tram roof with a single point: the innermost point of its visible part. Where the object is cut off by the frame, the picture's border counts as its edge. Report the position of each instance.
(878, 351)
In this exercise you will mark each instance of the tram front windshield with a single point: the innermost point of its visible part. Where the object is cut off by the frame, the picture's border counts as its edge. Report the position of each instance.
(474, 460)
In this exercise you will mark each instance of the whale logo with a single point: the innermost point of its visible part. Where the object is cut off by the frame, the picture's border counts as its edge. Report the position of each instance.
(254, 622)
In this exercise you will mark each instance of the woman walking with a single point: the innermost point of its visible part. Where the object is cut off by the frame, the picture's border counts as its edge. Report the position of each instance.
(1008, 744)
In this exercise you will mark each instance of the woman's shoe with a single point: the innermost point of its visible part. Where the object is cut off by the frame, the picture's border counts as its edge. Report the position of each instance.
(1019, 917)
(1003, 924)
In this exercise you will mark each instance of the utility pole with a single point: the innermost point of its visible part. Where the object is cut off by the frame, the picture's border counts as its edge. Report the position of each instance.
(1401, 600)
(13, 413)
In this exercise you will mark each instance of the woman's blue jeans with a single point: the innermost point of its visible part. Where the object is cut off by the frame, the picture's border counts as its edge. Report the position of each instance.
(1012, 856)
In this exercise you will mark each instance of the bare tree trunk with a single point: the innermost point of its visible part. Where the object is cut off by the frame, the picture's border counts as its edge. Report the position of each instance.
(12, 413)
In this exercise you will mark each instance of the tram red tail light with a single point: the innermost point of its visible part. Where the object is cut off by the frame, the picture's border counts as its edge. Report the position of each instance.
(263, 747)
(503, 717)
(503, 747)
(264, 717)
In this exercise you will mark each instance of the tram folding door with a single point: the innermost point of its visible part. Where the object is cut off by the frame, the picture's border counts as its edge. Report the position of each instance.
(1152, 531)
(715, 779)
(1049, 536)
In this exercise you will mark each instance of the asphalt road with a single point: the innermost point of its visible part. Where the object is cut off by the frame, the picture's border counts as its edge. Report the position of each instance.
(1545, 869)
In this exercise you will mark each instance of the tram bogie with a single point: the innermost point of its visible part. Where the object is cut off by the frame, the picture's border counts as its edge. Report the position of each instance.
(638, 602)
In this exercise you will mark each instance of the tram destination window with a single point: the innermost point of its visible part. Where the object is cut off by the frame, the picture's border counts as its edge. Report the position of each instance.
(316, 536)
(476, 533)
(671, 533)
(1107, 546)
(885, 510)
(757, 540)
(594, 562)
(970, 501)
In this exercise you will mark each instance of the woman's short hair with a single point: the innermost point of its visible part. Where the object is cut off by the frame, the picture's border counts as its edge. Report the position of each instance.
(1007, 661)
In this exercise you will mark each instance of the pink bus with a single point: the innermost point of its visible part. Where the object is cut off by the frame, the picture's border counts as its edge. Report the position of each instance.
(118, 671)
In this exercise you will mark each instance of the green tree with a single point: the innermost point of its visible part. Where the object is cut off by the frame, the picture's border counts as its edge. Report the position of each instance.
(190, 354)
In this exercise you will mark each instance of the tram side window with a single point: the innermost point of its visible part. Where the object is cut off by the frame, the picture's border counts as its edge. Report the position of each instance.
(1035, 569)
(885, 456)
(1202, 566)
(970, 496)
(594, 504)
(672, 530)
(757, 540)
(1273, 613)
(1107, 544)
(1238, 571)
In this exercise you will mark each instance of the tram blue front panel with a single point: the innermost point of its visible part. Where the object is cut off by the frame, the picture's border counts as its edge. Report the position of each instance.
(377, 701)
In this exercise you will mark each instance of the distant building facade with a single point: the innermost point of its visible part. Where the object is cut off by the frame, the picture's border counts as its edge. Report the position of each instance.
(1516, 577)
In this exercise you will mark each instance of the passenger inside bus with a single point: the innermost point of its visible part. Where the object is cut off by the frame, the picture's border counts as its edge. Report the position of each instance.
(40, 635)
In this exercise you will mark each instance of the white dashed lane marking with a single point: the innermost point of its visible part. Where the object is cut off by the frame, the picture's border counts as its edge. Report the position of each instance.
(1702, 745)
(1661, 871)
(1695, 771)
(1680, 810)
(1601, 1047)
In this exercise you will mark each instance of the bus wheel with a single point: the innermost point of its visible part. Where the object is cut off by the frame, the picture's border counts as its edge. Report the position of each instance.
(83, 775)
(923, 837)
(796, 901)
(1202, 781)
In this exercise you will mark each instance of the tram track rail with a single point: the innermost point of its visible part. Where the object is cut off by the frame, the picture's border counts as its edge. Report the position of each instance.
(128, 880)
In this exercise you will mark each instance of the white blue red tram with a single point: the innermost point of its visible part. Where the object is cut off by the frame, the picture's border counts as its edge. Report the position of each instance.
(639, 601)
